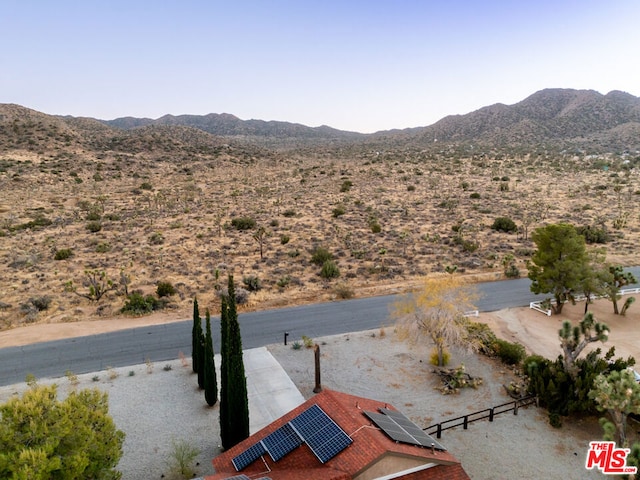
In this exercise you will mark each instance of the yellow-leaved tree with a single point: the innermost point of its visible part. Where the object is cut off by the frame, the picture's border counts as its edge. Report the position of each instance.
(437, 310)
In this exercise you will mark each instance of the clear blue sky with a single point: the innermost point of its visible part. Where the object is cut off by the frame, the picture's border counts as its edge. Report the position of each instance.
(362, 65)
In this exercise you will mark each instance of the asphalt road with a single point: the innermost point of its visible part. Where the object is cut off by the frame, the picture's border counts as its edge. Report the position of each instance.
(165, 342)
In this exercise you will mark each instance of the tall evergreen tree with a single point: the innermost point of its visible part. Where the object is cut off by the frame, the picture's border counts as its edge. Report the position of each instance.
(201, 349)
(225, 421)
(209, 367)
(196, 331)
(237, 398)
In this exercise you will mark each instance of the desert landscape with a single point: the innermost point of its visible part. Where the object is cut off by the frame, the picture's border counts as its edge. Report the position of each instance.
(84, 205)
(110, 225)
(318, 152)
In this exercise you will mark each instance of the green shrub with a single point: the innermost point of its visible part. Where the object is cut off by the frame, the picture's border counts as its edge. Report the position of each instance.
(308, 341)
(330, 270)
(63, 254)
(284, 239)
(346, 185)
(375, 227)
(504, 224)
(165, 289)
(146, 186)
(512, 271)
(474, 195)
(558, 391)
(243, 223)
(156, 238)
(338, 211)
(274, 223)
(289, 213)
(252, 283)
(103, 247)
(93, 215)
(555, 420)
(320, 255)
(594, 234)
(411, 188)
(504, 187)
(138, 304)
(284, 281)
(94, 227)
(510, 353)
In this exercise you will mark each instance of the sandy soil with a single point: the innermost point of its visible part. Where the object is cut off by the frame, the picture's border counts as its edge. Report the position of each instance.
(539, 333)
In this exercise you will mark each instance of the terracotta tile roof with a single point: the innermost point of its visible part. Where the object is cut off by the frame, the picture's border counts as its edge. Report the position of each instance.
(370, 446)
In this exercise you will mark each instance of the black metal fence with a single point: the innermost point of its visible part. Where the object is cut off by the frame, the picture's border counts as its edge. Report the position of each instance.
(489, 413)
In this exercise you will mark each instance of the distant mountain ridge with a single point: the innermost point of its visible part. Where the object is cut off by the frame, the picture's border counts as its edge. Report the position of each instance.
(225, 124)
(557, 119)
(560, 116)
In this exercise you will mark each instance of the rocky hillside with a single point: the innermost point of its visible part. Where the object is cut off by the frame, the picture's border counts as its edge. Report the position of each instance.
(581, 119)
(31, 133)
(552, 119)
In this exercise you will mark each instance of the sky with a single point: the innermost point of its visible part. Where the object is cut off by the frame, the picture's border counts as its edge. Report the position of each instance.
(358, 65)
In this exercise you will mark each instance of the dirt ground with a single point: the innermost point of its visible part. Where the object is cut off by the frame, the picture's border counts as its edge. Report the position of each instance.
(539, 333)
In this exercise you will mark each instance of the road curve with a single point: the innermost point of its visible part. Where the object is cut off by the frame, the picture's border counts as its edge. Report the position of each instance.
(165, 342)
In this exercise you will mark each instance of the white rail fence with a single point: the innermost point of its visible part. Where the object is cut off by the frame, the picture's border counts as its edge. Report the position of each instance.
(538, 306)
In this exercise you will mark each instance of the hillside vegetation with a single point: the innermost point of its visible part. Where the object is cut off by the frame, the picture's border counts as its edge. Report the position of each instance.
(294, 221)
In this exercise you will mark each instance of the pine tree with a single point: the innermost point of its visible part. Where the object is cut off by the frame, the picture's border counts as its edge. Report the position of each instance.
(234, 401)
(196, 331)
(209, 367)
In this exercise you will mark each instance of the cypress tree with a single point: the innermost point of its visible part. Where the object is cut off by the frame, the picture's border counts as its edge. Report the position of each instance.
(201, 350)
(238, 402)
(225, 421)
(196, 331)
(210, 378)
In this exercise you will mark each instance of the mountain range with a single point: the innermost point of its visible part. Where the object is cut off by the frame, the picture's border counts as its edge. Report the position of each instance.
(552, 119)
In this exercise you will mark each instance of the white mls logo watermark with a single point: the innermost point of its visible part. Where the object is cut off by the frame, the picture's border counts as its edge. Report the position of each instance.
(609, 459)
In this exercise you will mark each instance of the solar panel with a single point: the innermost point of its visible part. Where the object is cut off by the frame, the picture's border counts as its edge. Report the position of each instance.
(238, 477)
(400, 429)
(391, 428)
(247, 457)
(323, 436)
(412, 429)
(281, 442)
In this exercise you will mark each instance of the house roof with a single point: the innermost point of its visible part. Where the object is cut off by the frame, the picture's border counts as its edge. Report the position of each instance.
(371, 451)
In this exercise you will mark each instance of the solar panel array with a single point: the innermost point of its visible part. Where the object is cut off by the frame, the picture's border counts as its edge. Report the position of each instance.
(314, 427)
(324, 437)
(400, 429)
(247, 457)
(281, 442)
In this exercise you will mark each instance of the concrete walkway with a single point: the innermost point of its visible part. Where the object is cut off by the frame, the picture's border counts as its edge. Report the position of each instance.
(270, 390)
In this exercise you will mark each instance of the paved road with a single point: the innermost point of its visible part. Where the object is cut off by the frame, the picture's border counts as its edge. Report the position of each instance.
(164, 342)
